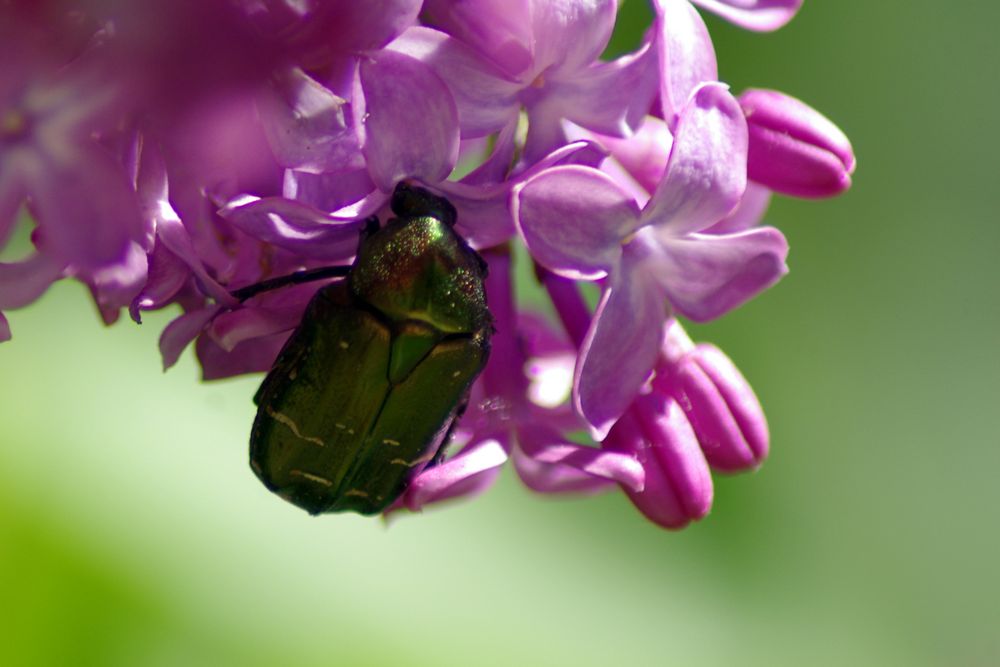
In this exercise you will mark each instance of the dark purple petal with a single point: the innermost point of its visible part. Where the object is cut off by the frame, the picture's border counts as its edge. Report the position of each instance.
(86, 209)
(410, 124)
(793, 148)
(23, 282)
(551, 464)
(116, 286)
(4, 329)
(171, 232)
(363, 26)
(707, 275)
(706, 173)
(167, 274)
(181, 331)
(573, 220)
(296, 227)
(621, 347)
(11, 197)
(686, 55)
(468, 473)
(760, 15)
(256, 355)
(486, 98)
(231, 328)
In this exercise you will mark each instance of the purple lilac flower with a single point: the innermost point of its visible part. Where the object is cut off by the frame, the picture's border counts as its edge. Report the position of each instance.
(173, 151)
(581, 224)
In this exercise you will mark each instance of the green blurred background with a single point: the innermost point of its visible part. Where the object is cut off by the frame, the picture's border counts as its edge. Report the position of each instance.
(133, 533)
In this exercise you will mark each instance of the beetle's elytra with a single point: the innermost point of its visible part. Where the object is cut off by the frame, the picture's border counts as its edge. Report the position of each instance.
(363, 394)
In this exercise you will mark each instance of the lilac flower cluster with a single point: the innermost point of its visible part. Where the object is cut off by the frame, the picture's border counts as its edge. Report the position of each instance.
(173, 151)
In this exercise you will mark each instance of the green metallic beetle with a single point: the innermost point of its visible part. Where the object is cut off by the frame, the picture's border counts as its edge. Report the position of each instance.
(364, 393)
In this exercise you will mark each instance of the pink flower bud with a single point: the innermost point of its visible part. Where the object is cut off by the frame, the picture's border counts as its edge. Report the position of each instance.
(721, 407)
(678, 485)
(793, 148)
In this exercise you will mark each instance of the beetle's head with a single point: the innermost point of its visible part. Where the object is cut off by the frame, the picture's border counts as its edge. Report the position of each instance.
(409, 201)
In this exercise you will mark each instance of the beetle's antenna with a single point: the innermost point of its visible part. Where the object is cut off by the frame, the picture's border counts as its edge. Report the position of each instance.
(297, 278)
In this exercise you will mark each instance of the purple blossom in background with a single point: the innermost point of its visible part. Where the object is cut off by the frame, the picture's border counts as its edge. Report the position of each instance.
(171, 152)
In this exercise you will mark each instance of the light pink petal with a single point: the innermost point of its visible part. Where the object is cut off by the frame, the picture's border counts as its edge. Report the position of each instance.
(621, 347)
(573, 220)
(181, 331)
(411, 122)
(23, 282)
(550, 464)
(468, 473)
(759, 15)
(706, 173)
(686, 55)
(486, 98)
(707, 275)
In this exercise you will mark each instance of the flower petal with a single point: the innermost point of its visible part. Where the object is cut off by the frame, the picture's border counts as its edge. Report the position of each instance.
(499, 29)
(294, 226)
(571, 34)
(611, 97)
(706, 173)
(23, 282)
(678, 484)
(486, 98)
(620, 349)
(573, 220)
(685, 52)
(739, 396)
(468, 473)
(306, 124)
(256, 355)
(550, 464)
(759, 15)
(80, 228)
(708, 275)
(748, 213)
(345, 194)
(410, 122)
(181, 331)
(4, 329)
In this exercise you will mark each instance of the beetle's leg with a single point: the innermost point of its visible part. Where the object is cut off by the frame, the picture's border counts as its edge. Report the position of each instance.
(297, 278)
(369, 227)
(443, 449)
